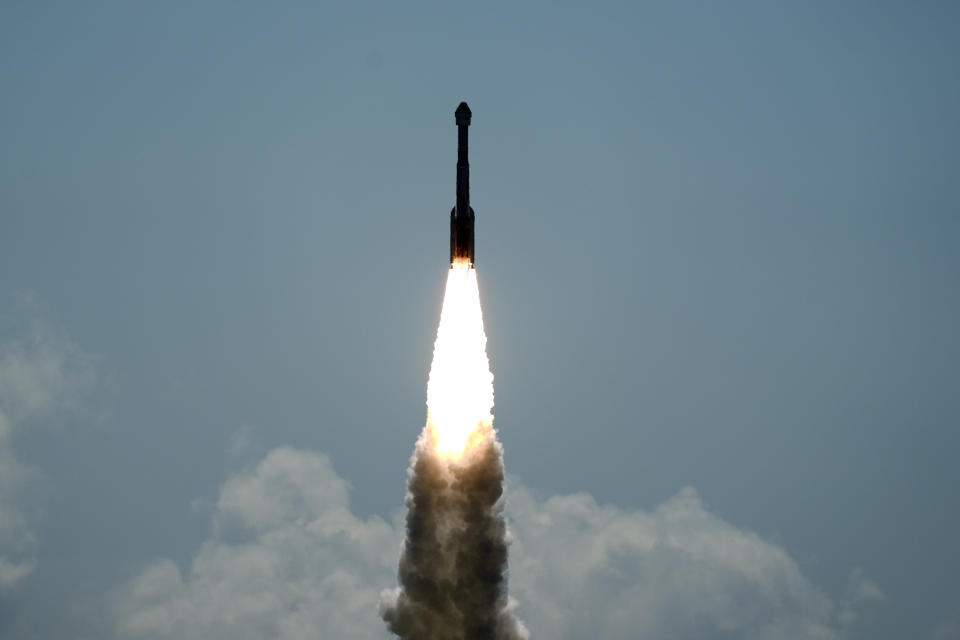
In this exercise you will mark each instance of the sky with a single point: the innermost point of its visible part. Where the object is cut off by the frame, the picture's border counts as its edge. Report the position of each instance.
(718, 247)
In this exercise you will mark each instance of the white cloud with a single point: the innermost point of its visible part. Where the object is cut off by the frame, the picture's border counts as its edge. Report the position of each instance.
(42, 375)
(16, 537)
(287, 559)
(949, 629)
(582, 570)
(860, 591)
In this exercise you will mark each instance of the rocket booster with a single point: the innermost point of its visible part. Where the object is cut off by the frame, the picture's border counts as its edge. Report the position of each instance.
(461, 217)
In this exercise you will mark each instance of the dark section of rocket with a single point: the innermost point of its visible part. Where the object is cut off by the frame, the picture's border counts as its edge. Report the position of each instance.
(461, 217)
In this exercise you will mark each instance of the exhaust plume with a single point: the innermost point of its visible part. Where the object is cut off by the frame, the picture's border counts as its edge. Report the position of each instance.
(453, 568)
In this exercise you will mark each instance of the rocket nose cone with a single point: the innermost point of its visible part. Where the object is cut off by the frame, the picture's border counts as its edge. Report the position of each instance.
(463, 114)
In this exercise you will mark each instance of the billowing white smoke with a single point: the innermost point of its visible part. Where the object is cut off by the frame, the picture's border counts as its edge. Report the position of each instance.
(452, 571)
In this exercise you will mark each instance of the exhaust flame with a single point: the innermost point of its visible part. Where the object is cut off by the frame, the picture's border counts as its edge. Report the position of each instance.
(460, 388)
(453, 569)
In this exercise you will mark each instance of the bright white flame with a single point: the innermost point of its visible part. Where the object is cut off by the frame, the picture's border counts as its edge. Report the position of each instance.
(460, 389)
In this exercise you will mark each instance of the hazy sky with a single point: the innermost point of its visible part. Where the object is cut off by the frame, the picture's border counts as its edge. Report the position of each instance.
(719, 256)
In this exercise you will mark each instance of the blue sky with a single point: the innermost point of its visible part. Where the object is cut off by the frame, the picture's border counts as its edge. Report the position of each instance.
(717, 246)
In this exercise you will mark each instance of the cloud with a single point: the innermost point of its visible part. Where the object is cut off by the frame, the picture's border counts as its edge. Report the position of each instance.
(949, 629)
(16, 537)
(582, 570)
(860, 591)
(42, 375)
(288, 559)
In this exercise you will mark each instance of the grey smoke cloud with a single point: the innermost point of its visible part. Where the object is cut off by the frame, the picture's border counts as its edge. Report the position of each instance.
(288, 559)
(452, 573)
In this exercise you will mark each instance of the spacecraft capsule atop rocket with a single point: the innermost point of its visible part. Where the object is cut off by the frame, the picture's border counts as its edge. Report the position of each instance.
(461, 217)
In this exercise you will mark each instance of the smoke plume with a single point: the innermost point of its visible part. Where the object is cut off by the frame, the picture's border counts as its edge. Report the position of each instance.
(453, 569)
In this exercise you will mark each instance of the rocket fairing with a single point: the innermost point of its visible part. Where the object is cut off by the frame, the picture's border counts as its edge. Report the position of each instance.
(461, 217)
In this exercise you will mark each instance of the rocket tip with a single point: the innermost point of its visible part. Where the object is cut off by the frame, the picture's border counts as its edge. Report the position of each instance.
(463, 114)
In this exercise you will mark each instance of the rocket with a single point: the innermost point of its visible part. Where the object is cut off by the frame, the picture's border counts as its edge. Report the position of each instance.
(461, 217)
